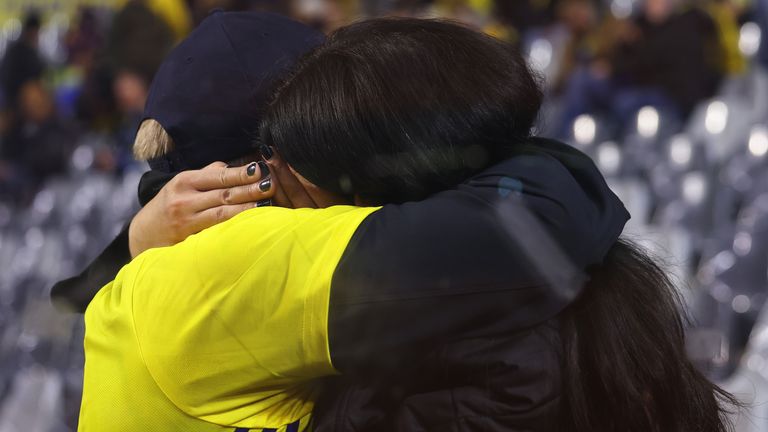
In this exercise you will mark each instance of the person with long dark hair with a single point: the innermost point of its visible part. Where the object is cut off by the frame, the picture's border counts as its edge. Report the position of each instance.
(393, 111)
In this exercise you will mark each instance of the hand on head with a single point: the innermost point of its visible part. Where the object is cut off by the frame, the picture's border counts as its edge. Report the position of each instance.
(198, 199)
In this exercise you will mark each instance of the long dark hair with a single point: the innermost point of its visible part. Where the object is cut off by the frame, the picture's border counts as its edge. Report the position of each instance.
(396, 109)
(625, 365)
(373, 124)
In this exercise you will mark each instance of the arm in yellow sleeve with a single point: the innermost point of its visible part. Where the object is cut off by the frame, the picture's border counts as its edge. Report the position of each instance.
(232, 322)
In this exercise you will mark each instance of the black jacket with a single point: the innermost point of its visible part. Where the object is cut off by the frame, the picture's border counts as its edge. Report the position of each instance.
(443, 312)
(496, 382)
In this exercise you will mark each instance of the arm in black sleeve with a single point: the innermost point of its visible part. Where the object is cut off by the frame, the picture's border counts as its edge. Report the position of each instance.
(76, 292)
(503, 251)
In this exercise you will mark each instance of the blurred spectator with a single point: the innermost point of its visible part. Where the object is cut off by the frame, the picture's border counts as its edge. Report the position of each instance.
(375, 7)
(409, 7)
(114, 89)
(82, 43)
(668, 57)
(199, 9)
(130, 90)
(175, 14)
(675, 51)
(84, 40)
(130, 93)
(524, 15)
(22, 61)
(41, 144)
(478, 14)
(725, 15)
(96, 107)
(138, 40)
(579, 20)
(324, 15)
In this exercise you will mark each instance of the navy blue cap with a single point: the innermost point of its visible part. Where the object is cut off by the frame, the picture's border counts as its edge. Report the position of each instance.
(210, 91)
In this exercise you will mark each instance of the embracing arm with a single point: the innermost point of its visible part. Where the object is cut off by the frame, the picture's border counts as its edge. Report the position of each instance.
(504, 251)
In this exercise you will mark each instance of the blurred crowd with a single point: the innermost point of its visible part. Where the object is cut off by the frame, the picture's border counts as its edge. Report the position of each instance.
(670, 97)
(609, 57)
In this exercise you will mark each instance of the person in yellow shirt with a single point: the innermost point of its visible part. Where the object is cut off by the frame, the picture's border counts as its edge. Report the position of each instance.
(220, 298)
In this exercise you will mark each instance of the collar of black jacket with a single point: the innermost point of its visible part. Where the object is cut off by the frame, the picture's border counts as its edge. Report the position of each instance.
(587, 216)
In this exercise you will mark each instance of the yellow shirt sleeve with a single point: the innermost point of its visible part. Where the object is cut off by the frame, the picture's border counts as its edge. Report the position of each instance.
(232, 323)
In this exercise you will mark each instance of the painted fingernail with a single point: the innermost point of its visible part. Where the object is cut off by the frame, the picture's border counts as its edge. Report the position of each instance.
(251, 170)
(266, 151)
(263, 203)
(265, 185)
(264, 168)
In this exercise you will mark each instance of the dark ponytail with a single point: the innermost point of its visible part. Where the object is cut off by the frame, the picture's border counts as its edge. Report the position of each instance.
(625, 364)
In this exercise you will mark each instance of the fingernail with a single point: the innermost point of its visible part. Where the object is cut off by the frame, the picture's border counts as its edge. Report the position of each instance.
(266, 151)
(263, 203)
(264, 168)
(265, 185)
(251, 170)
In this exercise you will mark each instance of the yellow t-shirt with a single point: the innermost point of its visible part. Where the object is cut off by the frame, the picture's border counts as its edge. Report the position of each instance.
(223, 332)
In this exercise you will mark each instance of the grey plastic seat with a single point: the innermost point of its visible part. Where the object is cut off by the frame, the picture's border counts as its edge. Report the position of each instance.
(749, 382)
(735, 283)
(720, 124)
(686, 202)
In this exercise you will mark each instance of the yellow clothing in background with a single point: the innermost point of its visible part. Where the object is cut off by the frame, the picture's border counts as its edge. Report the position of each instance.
(728, 32)
(225, 330)
(175, 13)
